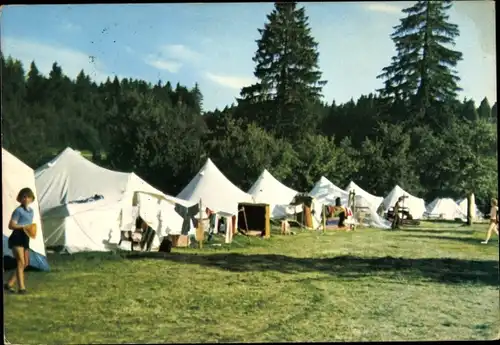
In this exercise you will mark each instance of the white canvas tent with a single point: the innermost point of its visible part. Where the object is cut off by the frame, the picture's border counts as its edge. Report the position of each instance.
(462, 203)
(444, 208)
(215, 191)
(373, 200)
(415, 205)
(76, 222)
(325, 192)
(15, 176)
(267, 189)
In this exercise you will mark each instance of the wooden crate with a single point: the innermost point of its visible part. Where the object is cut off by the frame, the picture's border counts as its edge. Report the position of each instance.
(179, 241)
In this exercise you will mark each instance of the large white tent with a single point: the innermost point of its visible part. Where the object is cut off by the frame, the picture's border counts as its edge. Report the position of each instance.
(416, 205)
(325, 192)
(15, 176)
(214, 190)
(462, 203)
(84, 207)
(373, 200)
(444, 208)
(267, 189)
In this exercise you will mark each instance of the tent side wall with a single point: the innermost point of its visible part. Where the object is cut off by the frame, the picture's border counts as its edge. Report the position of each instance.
(15, 176)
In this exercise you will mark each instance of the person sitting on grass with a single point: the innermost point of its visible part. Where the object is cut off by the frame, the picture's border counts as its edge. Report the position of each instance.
(339, 211)
(493, 220)
(19, 241)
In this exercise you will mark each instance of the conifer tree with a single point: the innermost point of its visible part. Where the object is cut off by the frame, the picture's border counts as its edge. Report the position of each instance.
(423, 71)
(484, 110)
(288, 76)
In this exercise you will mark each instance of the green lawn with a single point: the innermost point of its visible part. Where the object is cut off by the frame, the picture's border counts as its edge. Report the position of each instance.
(433, 283)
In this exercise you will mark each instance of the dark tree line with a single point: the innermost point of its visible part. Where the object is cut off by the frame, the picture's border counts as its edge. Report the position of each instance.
(413, 132)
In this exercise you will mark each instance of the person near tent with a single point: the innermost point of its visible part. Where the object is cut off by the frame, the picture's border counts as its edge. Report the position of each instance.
(339, 211)
(397, 207)
(493, 220)
(222, 225)
(19, 241)
(148, 234)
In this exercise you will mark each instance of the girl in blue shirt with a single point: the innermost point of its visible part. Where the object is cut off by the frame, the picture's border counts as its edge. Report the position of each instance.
(19, 241)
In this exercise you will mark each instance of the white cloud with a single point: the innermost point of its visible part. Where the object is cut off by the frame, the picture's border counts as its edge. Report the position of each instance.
(72, 61)
(166, 65)
(180, 52)
(129, 49)
(381, 7)
(69, 26)
(230, 82)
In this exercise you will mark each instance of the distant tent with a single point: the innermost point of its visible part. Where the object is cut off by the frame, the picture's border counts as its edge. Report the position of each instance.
(85, 207)
(325, 192)
(462, 203)
(373, 200)
(15, 176)
(444, 208)
(215, 190)
(267, 189)
(414, 204)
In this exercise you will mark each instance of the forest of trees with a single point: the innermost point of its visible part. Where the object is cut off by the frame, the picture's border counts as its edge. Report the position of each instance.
(414, 132)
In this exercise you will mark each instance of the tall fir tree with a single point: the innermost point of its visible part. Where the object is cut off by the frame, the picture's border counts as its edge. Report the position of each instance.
(494, 115)
(422, 72)
(289, 80)
(197, 99)
(484, 110)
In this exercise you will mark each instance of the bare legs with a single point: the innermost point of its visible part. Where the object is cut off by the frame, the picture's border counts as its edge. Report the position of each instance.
(18, 275)
(493, 227)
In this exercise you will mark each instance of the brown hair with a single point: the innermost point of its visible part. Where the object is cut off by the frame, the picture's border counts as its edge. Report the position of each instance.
(25, 193)
(494, 201)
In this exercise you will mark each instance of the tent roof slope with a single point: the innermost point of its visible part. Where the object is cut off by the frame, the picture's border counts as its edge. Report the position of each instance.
(325, 192)
(415, 204)
(268, 189)
(373, 199)
(214, 189)
(445, 208)
(323, 182)
(70, 177)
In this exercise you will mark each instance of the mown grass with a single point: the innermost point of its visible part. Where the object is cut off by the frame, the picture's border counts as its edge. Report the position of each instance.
(436, 282)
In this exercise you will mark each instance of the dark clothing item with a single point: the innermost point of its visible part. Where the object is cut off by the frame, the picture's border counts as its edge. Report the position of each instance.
(22, 216)
(187, 214)
(396, 208)
(19, 239)
(147, 238)
(396, 220)
(165, 246)
(342, 217)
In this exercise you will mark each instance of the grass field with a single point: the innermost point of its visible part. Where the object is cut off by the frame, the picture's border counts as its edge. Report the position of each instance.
(436, 282)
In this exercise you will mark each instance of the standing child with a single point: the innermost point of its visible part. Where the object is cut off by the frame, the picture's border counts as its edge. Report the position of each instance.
(493, 220)
(19, 241)
(397, 207)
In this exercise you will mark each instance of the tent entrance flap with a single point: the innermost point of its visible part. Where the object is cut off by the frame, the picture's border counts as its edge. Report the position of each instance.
(254, 219)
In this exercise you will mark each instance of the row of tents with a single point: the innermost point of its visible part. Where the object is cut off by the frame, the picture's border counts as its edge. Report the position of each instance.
(84, 207)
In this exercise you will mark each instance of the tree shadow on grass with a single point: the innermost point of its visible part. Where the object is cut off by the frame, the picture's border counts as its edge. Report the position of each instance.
(429, 231)
(468, 240)
(450, 271)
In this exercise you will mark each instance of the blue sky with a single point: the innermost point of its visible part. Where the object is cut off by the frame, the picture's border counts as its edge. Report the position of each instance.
(213, 44)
